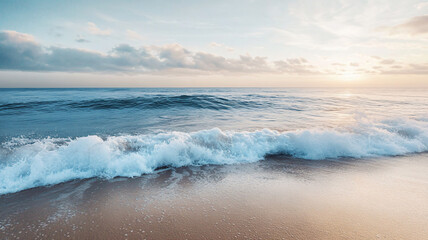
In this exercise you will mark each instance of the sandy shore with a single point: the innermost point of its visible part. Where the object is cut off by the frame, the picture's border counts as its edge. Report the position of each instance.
(279, 198)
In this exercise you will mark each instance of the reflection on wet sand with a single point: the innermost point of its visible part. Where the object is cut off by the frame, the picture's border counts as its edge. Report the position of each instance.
(278, 198)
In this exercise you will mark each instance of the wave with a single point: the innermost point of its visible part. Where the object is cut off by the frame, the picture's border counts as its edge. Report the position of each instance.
(27, 163)
(144, 102)
(25, 105)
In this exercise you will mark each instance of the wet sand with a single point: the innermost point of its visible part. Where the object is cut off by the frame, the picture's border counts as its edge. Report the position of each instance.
(278, 198)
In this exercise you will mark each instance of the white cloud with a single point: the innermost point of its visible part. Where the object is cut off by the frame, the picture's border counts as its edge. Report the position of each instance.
(387, 61)
(219, 45)
(93, 29)
(340, 25)
(214, 44)
(19, 51)
(422, 5)
(81, 39)
(134, 35)
(414, 26)
(18, 38)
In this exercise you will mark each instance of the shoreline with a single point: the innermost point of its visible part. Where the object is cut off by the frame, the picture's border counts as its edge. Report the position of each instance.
(277, 198)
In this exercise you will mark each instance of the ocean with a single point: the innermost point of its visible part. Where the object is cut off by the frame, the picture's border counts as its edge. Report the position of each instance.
(49, 136)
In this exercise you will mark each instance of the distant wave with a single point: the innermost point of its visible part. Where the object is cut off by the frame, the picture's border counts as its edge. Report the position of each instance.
(26, 105)
(27, 163)
(144, 102)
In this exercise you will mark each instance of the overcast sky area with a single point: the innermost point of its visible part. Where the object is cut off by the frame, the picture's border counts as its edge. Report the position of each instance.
(214, 43)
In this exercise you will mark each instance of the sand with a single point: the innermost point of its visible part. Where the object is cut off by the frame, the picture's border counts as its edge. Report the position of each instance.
(278, 198)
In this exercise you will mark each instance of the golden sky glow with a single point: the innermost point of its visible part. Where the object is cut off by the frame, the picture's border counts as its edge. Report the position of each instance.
(222, 43)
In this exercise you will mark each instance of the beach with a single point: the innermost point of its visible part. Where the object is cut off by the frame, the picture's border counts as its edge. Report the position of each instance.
(213, 163)
(202, 120)
(277, 198)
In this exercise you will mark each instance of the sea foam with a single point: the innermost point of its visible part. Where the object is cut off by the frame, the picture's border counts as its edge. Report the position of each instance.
(27, 163)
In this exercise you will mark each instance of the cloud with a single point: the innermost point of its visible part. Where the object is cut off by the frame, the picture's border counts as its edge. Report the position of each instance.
(93, 29)
(297, 61)
(219, 45)
(295, 65)
(134, 35)
(214, 44)
(349, 25)
(19, 51)
(387, 61)
(338, 64)
(415, 26)
(422, 5)
(81, 39)
(56, 31)
(409, 69)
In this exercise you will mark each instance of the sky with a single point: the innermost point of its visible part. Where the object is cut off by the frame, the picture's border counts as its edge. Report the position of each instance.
(288, 43)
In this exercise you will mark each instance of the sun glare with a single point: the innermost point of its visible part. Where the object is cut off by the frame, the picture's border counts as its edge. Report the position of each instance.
(350, 76)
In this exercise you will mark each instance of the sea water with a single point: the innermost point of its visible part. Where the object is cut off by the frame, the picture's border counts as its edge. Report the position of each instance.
(48, 136)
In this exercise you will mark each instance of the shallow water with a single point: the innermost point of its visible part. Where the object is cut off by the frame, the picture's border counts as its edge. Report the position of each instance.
(280, 197)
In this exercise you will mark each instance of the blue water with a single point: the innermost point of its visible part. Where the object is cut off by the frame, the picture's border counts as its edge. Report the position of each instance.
(52, 135)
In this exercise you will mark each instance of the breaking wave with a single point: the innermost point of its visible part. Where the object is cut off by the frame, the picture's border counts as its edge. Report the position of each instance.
(27, 163)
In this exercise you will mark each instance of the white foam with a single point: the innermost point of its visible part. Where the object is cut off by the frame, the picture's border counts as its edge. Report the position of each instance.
(27, 163)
